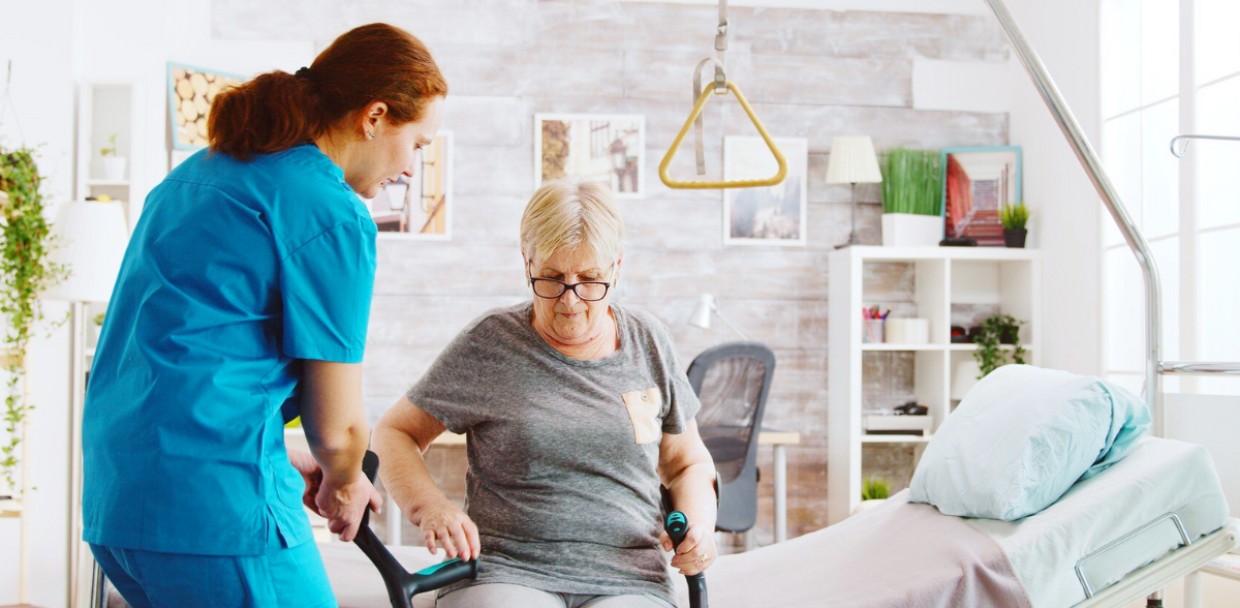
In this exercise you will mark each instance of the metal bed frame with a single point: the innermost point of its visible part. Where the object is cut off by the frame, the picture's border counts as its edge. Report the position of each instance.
(1190, 557)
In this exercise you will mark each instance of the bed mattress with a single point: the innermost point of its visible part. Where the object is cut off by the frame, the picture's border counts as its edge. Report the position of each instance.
(1158, 476)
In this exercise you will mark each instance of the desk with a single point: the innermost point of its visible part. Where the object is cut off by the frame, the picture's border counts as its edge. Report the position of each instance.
(779, 440)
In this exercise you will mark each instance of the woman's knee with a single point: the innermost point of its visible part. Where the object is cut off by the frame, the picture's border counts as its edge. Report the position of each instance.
(499, 595)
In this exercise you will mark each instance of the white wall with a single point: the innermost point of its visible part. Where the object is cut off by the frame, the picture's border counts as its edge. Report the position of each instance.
(55, 43)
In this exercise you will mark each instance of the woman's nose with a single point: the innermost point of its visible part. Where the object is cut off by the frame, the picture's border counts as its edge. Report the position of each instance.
(569, 298)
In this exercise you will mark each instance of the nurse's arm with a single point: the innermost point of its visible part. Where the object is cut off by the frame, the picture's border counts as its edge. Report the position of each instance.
(334, 417)
(401, 437)
(336, 429)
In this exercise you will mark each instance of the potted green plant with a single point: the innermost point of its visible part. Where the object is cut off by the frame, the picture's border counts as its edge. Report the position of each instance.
(26, 270)
(113, 162)
(995, 331)
(97, 325)
(1014, 218)
(874, 492)
(912, 202)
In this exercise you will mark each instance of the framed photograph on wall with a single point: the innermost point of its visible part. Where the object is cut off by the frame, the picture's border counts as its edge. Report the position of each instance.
(774, 215)
(420, 207)
(977, 183)
(190, 93)
(608, 148)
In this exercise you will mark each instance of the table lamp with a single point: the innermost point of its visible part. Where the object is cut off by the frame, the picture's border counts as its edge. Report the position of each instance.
(853, 162)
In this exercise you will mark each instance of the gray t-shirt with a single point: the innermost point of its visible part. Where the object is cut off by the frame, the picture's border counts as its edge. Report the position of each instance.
(563, 453)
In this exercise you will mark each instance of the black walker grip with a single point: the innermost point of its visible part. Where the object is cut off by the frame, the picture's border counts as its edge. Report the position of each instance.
(401, 585)
(677, 527)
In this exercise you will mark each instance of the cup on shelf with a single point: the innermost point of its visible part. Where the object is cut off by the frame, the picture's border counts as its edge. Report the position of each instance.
(908, 331)
(872, 331)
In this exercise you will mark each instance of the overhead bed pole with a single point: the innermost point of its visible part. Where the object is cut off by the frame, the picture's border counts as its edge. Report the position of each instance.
(1154, 365)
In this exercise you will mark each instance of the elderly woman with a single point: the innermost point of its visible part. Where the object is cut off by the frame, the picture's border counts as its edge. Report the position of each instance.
(576, 408)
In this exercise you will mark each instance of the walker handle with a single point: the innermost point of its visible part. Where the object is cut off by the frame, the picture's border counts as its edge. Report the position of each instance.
(401, 585)
(677, 526)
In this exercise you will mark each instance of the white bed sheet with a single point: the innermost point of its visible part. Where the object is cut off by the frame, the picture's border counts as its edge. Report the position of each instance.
(1157, 477)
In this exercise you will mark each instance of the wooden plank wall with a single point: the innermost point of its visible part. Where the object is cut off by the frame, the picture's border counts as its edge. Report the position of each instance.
(809, 73)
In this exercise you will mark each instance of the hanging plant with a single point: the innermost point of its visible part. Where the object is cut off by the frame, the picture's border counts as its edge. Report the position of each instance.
(26, 271)
(996, 330)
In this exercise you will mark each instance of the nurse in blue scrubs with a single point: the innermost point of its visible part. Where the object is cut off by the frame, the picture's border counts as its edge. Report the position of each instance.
(242, 302)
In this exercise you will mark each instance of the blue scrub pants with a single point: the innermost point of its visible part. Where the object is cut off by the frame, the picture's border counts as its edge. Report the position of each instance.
(285, 576)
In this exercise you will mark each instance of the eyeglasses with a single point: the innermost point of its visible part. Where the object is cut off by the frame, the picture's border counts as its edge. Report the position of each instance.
(588, 291)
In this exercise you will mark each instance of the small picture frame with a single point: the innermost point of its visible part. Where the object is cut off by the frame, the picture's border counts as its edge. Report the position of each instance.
(419, 208)
(977, 184)
(607, 148)
(191, 91)
(774, 215)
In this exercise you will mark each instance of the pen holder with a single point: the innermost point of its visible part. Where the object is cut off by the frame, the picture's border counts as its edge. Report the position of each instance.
(872, 331)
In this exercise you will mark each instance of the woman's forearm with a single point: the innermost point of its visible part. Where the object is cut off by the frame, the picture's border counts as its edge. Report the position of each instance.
(334, 418)
(693, 493)
(403, 469)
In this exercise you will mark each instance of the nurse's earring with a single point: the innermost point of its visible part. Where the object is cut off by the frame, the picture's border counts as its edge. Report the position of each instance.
(370, 134)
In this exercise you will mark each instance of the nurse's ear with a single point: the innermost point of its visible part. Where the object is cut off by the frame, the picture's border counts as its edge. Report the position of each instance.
(374, 114)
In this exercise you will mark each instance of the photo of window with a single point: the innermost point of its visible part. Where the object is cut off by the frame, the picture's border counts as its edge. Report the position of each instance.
(419, 207)
(978, 183)
(595, 147)
(774, 215)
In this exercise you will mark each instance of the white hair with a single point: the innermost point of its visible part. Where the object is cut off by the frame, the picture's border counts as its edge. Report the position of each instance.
(566, 213)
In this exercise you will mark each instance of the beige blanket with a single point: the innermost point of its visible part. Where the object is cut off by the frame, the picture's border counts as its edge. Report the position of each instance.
(896, 555)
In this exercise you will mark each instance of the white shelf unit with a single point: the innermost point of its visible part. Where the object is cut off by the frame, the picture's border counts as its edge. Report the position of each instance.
(1008, 281)
(105, 109)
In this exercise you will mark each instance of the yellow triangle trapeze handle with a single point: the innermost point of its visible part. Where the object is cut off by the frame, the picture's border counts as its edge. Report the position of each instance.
(739, 183)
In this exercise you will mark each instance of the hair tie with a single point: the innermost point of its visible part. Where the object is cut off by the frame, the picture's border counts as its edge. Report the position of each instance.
(304, 73)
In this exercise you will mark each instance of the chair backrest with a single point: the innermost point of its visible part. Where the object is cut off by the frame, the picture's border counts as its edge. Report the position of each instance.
(732, 381)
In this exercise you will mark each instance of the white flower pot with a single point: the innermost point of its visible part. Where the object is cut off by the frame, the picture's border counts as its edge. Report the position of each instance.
(911, 230)
(114, 168)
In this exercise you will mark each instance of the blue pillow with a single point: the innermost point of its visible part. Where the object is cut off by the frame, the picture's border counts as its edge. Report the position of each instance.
(1021, 437)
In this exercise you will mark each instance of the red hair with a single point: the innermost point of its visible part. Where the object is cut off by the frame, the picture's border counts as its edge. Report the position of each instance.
(277, 110)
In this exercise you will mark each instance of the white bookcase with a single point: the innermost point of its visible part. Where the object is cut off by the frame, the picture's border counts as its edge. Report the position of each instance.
(106, 109)
(1007, 281)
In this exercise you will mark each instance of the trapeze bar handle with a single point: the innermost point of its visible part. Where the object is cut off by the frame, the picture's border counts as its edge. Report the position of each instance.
(739, 183)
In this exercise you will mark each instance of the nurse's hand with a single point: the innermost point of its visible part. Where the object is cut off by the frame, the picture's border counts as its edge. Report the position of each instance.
(310, 473)
(444, 523)
(343, 503)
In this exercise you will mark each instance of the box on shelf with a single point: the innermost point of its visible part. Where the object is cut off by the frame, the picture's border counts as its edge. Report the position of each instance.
(885, 424)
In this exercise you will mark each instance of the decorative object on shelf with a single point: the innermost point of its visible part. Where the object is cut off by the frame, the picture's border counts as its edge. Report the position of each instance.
(911, 418)
(27, 268)
(113, 162)
(92, 237)
(979, 183)
(959, 335)
(1014, 218)
(701, 316)
(908, 331)
(419, 208)
(874, 492)
(768, 215)
(873, 322)
(853, 162)
(96, 326)
(607, 148)
(191, 91)
(912, 210)
(994, 331)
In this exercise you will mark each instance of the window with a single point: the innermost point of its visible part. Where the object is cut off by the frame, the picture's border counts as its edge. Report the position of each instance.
(1188, 209)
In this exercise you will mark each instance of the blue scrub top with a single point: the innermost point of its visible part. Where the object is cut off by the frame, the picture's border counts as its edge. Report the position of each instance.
(235, 272)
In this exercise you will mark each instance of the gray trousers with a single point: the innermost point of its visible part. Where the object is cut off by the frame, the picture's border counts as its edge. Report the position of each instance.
(505, 595)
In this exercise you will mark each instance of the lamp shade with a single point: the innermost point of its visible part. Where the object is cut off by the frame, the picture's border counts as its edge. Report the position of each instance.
(91, 242)
(701, 312)
(853, 161)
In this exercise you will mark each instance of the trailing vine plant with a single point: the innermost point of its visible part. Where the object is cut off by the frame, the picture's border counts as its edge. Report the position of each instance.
(26, 270)
(997, 329)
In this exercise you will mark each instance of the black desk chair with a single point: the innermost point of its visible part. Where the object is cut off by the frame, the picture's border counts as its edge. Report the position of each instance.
(732, 380)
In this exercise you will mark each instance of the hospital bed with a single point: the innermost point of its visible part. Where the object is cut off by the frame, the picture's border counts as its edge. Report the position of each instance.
(1155, 516)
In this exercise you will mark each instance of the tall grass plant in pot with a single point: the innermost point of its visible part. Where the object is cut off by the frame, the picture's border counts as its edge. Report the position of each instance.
(912, 201)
